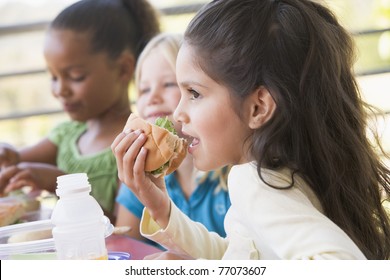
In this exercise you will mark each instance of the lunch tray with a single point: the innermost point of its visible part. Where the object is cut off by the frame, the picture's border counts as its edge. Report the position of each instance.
(35, 246)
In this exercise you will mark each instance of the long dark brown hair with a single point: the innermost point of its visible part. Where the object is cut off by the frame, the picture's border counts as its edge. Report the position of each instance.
(304, 57)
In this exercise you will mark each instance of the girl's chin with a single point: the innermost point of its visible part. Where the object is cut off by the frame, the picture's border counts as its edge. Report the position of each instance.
(77, 118)
(203, 166)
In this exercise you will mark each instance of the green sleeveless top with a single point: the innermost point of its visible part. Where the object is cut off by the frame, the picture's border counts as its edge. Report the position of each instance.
(100, 167)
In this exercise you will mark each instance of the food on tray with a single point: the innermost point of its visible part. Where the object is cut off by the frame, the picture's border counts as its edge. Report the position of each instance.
(11, 211)
(31, 204)
(121, 230)
(166, 150)
(30, 236)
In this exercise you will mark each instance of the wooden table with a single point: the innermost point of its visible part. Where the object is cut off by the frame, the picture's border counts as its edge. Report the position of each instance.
(137, 249)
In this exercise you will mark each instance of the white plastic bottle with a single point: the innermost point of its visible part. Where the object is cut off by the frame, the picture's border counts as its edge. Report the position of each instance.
(79, 222)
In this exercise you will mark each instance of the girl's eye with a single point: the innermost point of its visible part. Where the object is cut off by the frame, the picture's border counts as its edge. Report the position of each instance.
(170, 84)
(78, 78)
(194, 94)
(144, 90)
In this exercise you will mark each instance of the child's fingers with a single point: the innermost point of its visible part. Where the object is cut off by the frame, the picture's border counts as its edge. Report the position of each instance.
(147, 191)
(119, 147)
(131, 156)
(123, 142)
(18, 184)
(21, 179)
(139, 167)
(117, 151)
(117, 140)
(6, 174)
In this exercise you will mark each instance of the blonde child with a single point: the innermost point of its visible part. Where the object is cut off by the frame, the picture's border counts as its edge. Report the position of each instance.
(91, 49)
(203, 197)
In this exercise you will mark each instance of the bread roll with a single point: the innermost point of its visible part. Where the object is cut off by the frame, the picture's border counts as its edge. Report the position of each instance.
(30, 236)
(164, 147)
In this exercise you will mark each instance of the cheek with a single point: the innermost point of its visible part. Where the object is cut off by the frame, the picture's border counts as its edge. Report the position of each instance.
(215, 149)
(221, 135)
(141, 105)
(87, 87)
(172, 104)
(172, 98)
(211, 132)
(102, 83)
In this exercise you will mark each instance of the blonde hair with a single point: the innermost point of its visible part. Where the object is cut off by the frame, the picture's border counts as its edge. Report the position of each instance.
(220, 174)
(169, 45)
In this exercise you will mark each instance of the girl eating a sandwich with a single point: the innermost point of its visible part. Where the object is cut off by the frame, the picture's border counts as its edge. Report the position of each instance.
(268, 87)
(201, 196)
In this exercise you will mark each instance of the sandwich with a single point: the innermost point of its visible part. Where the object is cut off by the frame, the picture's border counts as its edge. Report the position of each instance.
(166, 150)
(10, 212)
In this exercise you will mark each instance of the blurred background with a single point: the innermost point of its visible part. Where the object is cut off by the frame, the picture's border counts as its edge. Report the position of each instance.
(28, 110)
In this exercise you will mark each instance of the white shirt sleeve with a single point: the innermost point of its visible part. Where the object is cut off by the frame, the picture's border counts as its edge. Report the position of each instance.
(184, 235)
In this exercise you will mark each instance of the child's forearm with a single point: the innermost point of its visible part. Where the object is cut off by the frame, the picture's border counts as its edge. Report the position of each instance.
(44, 151)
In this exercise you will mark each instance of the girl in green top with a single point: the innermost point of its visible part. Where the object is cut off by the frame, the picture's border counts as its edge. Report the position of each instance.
(91, 67)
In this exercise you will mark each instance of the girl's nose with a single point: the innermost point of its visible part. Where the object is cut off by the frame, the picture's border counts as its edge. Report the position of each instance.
(60, 89)
(154, 96)
(179, 114)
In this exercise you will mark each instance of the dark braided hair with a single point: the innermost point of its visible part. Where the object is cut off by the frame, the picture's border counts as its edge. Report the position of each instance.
(114, 25)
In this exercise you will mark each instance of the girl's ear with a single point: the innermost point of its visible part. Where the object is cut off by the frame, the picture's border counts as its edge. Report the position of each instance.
(262, 107)
(126, 66)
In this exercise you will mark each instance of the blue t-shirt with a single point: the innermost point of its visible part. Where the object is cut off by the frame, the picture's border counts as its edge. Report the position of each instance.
(206, 205)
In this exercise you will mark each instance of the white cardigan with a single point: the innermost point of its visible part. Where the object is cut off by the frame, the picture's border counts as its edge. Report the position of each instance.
(262, 223)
